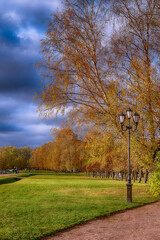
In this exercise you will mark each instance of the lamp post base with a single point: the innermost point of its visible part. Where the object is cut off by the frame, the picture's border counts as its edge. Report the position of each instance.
(129, 192)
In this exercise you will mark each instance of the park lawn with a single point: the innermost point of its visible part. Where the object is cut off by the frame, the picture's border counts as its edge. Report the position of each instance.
(40, 205)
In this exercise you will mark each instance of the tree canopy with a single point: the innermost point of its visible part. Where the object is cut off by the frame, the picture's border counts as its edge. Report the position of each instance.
(98, 58)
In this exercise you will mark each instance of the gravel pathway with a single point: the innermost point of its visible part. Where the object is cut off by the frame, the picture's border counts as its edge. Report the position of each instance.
(142, 223)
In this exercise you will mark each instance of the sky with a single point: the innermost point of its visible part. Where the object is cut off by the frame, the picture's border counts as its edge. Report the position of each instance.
(22, 26)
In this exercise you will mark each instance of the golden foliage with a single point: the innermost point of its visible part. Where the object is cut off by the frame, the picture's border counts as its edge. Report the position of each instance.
(96, 76)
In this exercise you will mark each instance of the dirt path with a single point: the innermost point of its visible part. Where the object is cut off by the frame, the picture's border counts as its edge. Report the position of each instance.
(141, 223)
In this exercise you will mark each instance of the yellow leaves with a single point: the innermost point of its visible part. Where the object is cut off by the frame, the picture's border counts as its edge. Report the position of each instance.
(98, 78)
(64, 153)
(12, 157)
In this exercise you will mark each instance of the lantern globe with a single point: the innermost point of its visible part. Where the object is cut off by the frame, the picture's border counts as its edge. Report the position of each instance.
(136, 118)
(122, 118)
(129, 113)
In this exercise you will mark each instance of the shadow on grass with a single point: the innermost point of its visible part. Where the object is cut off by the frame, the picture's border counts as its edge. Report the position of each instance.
(9, 180)
(14, 179)
(26, 175)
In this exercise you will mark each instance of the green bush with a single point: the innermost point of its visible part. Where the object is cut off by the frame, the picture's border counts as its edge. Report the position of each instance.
(155, 178)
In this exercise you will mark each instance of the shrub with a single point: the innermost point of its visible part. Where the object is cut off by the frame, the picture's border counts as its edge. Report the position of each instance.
(155, 178)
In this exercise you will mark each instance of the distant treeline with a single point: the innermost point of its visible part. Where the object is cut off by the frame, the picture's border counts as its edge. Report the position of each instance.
(96, 152)
(14, 158)
(65, 153)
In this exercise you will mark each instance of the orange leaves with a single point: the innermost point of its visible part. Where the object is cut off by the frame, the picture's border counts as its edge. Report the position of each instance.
(73, 59)
(65, 153)
(97, 77)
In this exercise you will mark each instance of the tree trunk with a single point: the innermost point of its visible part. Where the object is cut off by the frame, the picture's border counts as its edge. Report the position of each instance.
(126, 176)
(146, 176)
(140, 175)
(122, 174)
(133, 176)
(116, 175)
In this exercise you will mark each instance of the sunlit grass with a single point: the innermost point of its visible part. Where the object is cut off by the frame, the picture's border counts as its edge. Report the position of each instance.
(39, 205)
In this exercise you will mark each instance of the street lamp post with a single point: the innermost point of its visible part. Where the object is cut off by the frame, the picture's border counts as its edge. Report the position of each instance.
(128, 127)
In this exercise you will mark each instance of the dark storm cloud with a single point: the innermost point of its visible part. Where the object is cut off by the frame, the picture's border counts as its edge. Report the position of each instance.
(38, 17)
(8, 32)
(8, 36)
(16, 61)
(23, 139)
(30, 13)
(21, 125)
(22, 25)
(5, 127)
(17, 76)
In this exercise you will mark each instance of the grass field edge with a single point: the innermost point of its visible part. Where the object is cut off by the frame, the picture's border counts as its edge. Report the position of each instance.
(81, 223)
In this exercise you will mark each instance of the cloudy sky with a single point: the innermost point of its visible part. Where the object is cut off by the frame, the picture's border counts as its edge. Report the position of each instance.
(22, 25)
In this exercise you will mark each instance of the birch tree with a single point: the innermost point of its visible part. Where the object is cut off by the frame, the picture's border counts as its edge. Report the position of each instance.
(135, 50)
(74, 63)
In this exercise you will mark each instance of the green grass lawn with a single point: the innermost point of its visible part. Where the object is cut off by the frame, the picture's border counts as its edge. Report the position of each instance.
(40, 205)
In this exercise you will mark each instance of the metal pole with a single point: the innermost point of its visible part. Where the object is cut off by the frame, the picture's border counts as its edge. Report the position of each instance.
(129, 184)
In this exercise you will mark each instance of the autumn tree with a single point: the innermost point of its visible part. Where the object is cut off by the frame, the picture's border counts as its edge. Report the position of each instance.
(101, 151)
(135, 49)
(74, 67)
(40, 157)
(22, 158)
(3, 159)
(65, 153)
(68, 147)
(33, 161)
(96, 75)
(13, 157)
